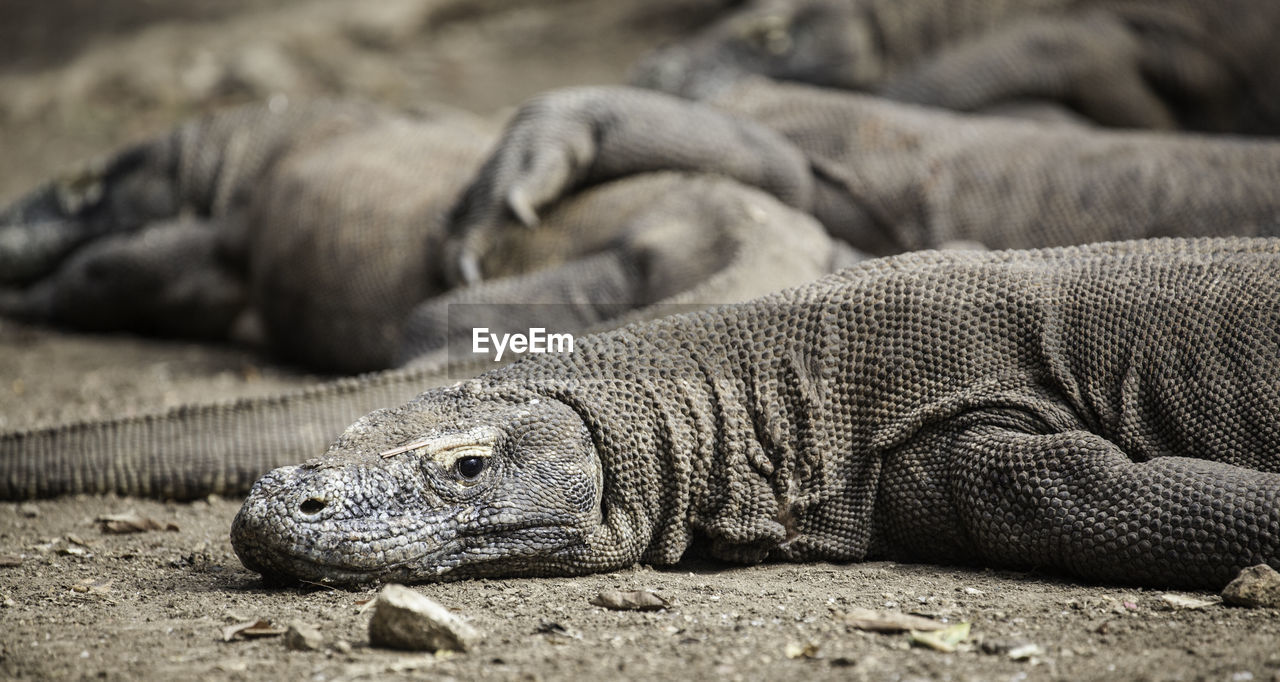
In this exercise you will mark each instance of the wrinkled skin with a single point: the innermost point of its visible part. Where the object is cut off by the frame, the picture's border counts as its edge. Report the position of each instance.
(502, 482)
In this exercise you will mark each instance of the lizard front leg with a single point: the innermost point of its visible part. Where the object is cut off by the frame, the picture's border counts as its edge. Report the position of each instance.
(571, 138)
(1073, 500)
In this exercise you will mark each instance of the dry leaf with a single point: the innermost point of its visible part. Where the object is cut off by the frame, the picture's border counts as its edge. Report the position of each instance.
(131, 522)
(807, 650)
(944, 640)
(887, 621)
(251, 629)
(1182, 601)
(636, 600)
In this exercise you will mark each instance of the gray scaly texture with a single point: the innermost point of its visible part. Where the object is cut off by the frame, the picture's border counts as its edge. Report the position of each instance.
(886, 177)
(1105, 411)
(1131, 63)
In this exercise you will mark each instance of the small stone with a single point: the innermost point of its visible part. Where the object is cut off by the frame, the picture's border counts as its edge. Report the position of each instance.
(343, 647)
(303, 637)
(404, 619)
(29, 510)
(1255, 587)
(634, 600)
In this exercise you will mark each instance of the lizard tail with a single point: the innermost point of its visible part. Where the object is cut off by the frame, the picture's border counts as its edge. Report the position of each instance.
(201, 449)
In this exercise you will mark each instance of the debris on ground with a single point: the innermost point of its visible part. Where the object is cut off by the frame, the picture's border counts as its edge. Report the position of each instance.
(303, 637)
(405, 619)
(796, 650)
(888, 621)
(945, 640)
(252, 629)
(1182, 601)
(1255, 587)
(633, 600)
(92, 586)
(131, 522)
(555, 629)
(1026, 652)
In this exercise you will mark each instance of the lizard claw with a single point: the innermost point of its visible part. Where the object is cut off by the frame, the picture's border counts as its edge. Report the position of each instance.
(469, 267)
(521, 207)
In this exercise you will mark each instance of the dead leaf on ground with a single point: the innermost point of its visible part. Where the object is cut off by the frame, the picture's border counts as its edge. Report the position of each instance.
(796, 650)
(1182, 601)
(634, 600)
(889, 621)
(251, 629)
(92, 585)
(131, 522)
(944, 640)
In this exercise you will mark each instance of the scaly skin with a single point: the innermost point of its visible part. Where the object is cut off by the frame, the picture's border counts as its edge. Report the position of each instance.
(1104, 411)
(883, 176)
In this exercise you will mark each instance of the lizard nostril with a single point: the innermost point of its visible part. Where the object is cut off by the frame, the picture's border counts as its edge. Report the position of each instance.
(312, 505)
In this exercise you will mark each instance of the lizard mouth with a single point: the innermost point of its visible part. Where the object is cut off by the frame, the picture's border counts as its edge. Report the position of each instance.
(465, 554)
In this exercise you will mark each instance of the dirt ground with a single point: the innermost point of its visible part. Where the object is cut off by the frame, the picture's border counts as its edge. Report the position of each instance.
(76, 602)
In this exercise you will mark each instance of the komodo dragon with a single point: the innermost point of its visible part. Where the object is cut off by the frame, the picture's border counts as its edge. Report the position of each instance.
(329, 220)
(1107, 411)
(325, 221)
(884, 176)
(1132, 63)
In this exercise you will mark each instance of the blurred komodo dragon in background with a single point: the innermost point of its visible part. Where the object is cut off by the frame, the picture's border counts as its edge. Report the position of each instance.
(883, 176)
(326, 222)
(1162, 64)
(1106, 411)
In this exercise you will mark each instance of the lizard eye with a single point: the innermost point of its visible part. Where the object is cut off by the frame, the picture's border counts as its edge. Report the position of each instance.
(469, 468)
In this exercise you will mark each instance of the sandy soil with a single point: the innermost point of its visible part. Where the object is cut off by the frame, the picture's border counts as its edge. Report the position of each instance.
(76, 602)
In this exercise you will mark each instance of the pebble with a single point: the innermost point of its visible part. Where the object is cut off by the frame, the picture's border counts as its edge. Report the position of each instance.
(1255, 587)
(405, 619)
(303, 637)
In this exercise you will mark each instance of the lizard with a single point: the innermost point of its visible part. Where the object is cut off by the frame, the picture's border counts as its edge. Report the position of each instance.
(329, 219)
(1127, 63)
(1105, 411)
(883, 176)
(323, 223)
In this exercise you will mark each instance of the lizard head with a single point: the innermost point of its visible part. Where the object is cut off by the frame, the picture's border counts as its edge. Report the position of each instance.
(460, 482)
(823, 42)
